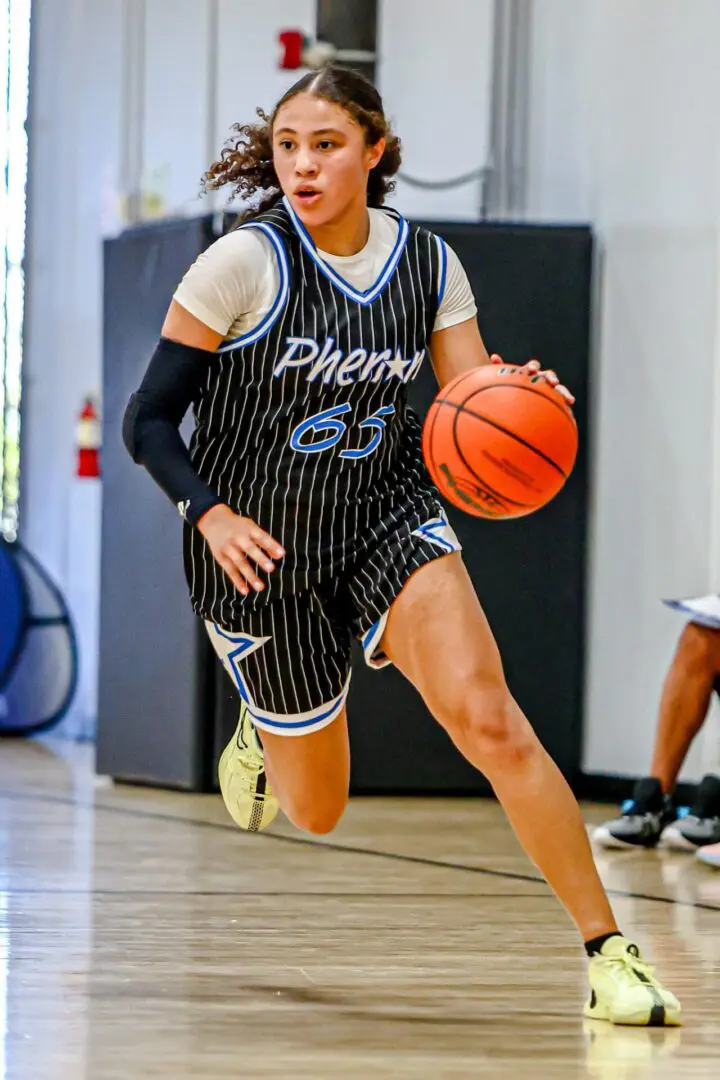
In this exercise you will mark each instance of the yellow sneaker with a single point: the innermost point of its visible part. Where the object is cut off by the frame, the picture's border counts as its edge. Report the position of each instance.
(625, 991)
(243, 782)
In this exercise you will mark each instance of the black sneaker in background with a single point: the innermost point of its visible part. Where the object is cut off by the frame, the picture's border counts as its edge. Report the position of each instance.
(700, 825)
(642, 819)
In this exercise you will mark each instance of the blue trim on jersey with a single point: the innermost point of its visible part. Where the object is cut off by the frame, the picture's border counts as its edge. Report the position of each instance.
(442, 250)
(369, 295)
(368, 636)
(297, 725)
(273, 314)
(370, 643)
(247, 644)
(431, 533)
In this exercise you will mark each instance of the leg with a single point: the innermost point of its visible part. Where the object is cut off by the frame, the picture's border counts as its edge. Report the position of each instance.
(685, 700)
(433, 628)
(310, 774)
(290, 662)
(650, 816)
(438, 636)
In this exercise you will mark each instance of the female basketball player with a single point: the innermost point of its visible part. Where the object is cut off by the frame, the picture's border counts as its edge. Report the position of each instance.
(309, 514)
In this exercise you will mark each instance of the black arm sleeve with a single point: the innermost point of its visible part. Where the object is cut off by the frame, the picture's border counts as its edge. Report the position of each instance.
(174, 378)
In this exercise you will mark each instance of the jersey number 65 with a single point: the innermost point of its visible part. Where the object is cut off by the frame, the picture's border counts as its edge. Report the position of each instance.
(329, 425)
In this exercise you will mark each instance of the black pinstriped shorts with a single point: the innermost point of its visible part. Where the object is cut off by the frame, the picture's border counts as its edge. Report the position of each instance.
(291, 661)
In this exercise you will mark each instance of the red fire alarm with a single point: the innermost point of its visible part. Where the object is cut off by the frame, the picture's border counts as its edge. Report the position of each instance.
(292, 45)
(298, 50)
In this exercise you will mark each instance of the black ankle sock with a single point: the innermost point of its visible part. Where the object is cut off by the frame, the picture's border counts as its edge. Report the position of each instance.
(593, 947)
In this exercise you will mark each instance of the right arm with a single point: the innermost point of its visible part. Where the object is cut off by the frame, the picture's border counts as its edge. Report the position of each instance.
(174, 378)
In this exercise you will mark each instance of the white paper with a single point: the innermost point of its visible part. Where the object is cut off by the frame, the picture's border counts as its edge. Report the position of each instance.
(704, 610)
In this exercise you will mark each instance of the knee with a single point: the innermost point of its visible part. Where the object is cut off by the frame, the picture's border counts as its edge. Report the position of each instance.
(699, 647)
(487, 720)
(312, 816)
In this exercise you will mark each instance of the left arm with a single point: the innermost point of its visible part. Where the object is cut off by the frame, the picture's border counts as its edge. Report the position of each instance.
(456, 350)
(460, 348)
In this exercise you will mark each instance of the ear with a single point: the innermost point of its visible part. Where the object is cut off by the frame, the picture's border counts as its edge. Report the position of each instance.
(374, 153)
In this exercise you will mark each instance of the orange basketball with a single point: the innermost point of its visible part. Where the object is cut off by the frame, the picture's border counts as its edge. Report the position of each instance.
(499, 442)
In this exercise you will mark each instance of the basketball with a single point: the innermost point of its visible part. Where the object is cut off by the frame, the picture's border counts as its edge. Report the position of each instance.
(499, 442)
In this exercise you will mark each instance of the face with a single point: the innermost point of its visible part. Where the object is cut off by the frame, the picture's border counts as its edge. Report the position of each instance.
(321, 159)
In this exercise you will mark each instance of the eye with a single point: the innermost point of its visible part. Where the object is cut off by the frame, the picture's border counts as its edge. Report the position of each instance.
(285, 144)
(326, 144)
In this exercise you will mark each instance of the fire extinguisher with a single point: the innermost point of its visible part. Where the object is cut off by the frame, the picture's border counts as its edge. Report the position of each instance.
(88, 440)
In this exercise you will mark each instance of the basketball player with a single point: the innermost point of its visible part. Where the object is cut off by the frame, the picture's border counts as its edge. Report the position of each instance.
(310, 517)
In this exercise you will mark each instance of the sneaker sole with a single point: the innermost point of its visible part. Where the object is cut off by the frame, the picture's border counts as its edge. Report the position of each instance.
(605, 839)
(677, 842)
(652, 1016)
(712, 861)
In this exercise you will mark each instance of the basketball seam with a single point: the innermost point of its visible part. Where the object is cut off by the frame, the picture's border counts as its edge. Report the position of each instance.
(503, 498)
(566, 412)
(432, 463)
(505, 431)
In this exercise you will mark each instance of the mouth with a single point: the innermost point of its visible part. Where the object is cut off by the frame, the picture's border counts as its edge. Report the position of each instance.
(307, 195)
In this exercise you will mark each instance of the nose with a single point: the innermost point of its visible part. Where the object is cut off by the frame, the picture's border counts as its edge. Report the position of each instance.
(305, 164)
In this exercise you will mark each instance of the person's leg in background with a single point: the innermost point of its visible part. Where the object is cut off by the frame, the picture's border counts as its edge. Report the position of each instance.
(650, 814)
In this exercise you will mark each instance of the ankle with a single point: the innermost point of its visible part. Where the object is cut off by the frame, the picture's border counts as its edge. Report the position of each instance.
(595, 944)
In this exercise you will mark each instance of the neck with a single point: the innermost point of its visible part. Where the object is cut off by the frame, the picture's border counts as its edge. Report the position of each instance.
(347, 234)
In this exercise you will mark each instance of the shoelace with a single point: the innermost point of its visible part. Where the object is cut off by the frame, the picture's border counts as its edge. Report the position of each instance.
(252, 764)
(631, 968)
(249, 756)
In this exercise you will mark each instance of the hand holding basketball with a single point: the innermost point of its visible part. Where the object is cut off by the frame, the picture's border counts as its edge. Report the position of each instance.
(533, 366)
(500, 440)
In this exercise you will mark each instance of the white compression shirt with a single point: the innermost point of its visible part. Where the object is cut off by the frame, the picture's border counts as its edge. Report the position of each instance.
(233, 284)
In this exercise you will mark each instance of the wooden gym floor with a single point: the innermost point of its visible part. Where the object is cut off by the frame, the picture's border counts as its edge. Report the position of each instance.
(143, 936)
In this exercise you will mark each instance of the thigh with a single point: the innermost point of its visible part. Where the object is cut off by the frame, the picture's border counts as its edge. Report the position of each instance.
(437, 635)
(312, 772)
(699, 646)
(419, 536)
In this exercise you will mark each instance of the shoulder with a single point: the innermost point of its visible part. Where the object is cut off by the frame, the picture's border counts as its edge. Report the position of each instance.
(237, 262)
(230, 278)
(385, 222)
(389, 225)
(243, 249)
(457, 302)
(429, 241)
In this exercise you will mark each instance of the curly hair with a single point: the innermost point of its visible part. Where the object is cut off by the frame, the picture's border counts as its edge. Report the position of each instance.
(246, 161)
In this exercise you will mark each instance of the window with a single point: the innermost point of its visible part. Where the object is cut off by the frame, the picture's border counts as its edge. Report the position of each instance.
(14, 77)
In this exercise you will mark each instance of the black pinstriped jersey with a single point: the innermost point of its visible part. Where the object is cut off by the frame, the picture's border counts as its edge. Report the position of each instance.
(303, 425)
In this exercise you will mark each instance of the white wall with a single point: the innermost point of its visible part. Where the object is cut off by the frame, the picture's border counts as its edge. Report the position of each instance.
(175, 91)
(208, 64)
(435, 75)
(625, 134)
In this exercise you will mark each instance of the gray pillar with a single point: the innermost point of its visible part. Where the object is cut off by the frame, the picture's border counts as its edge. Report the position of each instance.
(132, 105)
(505, 188)
(349, 24)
